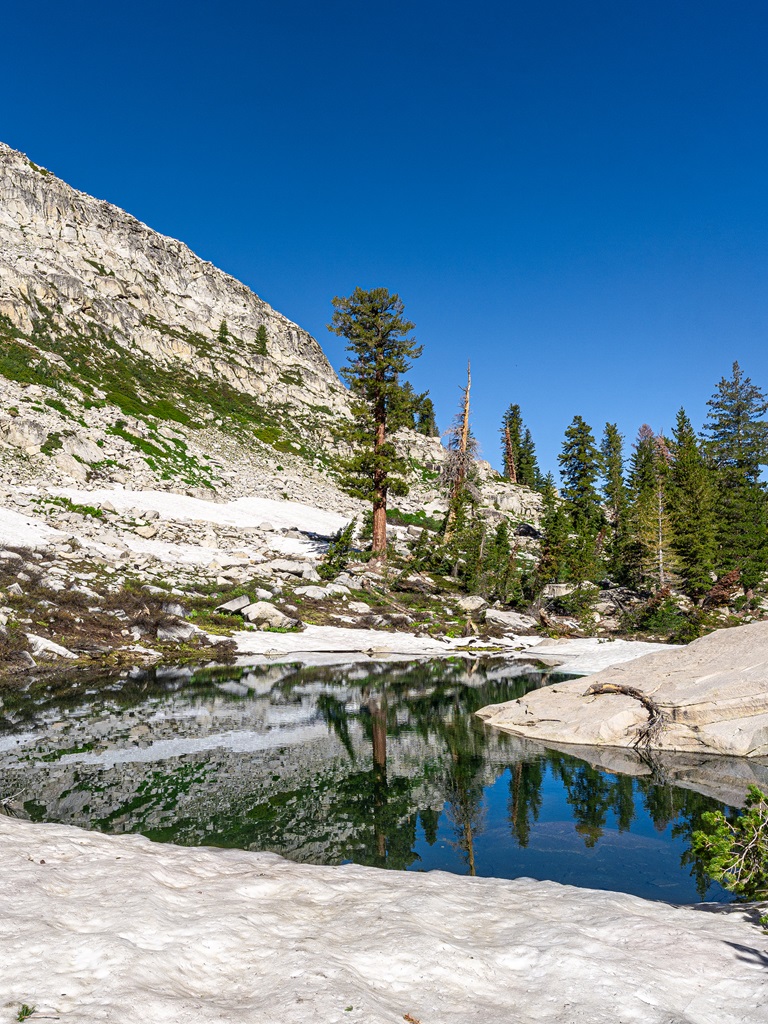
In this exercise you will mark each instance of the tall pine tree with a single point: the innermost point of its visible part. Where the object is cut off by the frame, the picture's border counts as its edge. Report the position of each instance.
(691, 509)
(650, 557)
(737, 445)
(580, 469)
(615, 497)
(380, 349)
(554, 559)
(518, 450)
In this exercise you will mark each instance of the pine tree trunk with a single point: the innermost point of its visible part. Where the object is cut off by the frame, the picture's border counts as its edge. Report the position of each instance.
(379, 541)
(465, 422)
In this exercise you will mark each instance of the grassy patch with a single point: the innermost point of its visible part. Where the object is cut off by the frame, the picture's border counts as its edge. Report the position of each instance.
(70, 506)
(52, 443)
(100, 268)
(420, 518)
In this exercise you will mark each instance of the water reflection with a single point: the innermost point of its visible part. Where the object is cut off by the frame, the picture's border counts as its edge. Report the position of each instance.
(378, 764)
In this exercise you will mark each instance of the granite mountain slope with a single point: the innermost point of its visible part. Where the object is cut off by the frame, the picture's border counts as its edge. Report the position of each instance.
(125, 358)
(146, 362)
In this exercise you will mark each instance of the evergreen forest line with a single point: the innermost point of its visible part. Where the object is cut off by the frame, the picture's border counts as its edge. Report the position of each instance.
(686, 512)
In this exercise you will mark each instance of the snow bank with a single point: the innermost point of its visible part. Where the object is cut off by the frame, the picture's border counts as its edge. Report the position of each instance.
(20, 531)
(245, 513)
(118, 929)
(339, 640)
(577, 657)
(592, 654)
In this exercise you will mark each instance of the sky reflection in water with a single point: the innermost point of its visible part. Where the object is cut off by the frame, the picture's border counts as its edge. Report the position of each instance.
(377, 764)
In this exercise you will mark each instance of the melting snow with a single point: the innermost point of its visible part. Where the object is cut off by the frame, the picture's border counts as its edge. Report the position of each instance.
(118, 929)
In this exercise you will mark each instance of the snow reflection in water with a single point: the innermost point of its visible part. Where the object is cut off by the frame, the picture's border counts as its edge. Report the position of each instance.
(379, 764)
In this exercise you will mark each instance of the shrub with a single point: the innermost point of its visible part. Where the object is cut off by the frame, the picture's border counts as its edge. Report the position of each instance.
(338, 552)
(735, 853)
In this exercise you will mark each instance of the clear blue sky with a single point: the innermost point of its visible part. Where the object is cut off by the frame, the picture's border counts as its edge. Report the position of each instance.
(571, 194)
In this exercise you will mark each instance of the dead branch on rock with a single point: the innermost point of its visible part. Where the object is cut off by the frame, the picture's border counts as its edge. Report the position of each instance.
(656, 718)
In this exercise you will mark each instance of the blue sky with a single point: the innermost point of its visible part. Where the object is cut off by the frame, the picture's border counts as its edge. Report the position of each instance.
(572, 195)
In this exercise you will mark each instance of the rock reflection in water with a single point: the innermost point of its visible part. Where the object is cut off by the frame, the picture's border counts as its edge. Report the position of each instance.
(376, 763)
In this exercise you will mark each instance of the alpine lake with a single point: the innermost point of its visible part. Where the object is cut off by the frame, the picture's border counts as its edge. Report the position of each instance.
(382, 764)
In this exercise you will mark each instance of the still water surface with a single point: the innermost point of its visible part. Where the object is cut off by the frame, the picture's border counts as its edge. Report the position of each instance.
(377, 764)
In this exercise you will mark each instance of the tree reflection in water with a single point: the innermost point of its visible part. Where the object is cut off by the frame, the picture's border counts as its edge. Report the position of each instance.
(400, 775)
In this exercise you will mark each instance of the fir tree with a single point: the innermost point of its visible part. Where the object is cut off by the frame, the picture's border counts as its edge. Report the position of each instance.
(528, 473)
(511, 440)
(580, 468)
(425, 416)
(412, 410)
(737, 446)
(402, 406)
(380, 349)
(650, 557)
(518, 450)
(556, 540)
(501, 578)
(615, 496)
(260, 344)
(691, 509)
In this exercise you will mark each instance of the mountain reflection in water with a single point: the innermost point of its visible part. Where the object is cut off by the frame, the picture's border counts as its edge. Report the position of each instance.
(380, 764)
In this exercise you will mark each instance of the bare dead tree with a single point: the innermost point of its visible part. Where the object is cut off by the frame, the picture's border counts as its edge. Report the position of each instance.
(459, 462)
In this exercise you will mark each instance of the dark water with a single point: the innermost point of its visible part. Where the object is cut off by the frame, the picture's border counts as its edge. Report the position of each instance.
(383, 765)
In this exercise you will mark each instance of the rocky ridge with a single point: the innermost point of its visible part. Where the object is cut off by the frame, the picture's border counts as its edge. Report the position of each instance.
(132, 369)
(127, 359)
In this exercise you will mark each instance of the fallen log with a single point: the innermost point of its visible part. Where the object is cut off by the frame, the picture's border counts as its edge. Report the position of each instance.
(656, 717)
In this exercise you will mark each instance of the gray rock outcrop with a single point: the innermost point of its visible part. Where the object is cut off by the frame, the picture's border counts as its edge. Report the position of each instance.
(711, 696)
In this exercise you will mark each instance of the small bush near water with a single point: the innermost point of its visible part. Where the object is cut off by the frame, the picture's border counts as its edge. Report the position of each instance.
(735, 853)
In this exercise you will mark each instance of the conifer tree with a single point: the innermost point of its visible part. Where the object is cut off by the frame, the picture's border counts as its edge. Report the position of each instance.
(615, 496)
(528, 474)
(501, 576)
(737, 446)
(691, 509)
(518, 450)
(650, 557)
(556, 539)
(380, 349)
(511, 439)
(401, 408)
(413, 411)
(425, 416)
(580, 468)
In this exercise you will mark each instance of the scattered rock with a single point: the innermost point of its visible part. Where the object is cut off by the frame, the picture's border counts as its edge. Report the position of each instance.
(41, 647)
(313, 593)
(286, 565)
(176, 609)
(359, 608)
(177, 632)
(261, 613)
(513, 622)
(235, 605)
